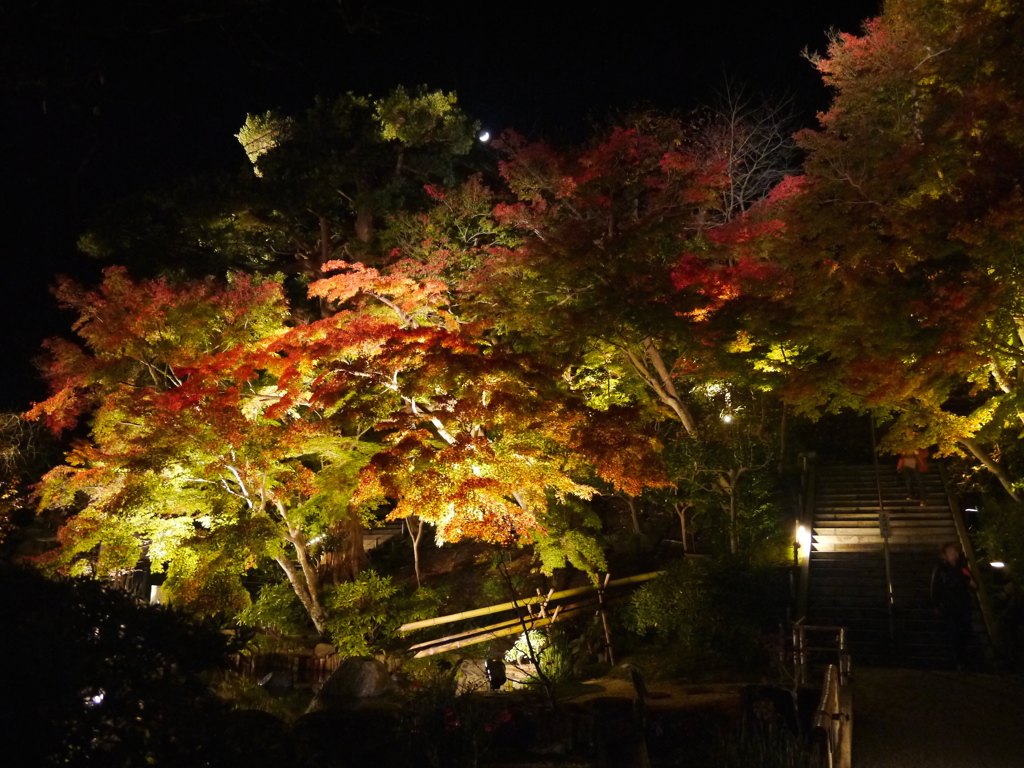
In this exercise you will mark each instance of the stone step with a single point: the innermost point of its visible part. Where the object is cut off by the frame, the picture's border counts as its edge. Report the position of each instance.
(916, 539)
(894, 546)
(916, 514)
(888, 486)
(910, 509)
(872, 507)
(866, 536)
(895, 488)
(923, 527)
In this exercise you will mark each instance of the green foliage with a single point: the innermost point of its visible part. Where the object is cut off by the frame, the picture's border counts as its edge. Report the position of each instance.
(717, 607)
(551, 650)
(364, 613)
(261, 133)
(1002, 533)
(359, 612)
(102, 680)
(530, 644)
(604, 381)
(761, 537)
(276, 608)
(569, 538)
(424, 117)
(561, 657)
(451, 240)
(674, 606)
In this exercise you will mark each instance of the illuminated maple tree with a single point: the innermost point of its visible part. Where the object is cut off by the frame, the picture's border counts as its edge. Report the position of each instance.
(221, 437)
(615, 266)
(907, 225)
(607, 254)
(182, 465)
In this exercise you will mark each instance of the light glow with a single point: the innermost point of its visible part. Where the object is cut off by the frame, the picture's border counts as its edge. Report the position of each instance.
(485, 137)
(997, 564)
(803, 539)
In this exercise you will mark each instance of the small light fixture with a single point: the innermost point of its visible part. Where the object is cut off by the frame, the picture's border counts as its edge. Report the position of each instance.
(727, 418)
(803, 537)
(484, 137)
(997, 564)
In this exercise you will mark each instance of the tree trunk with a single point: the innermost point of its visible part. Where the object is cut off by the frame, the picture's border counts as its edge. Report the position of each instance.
(364, 224)
(325, 243)
(415, 536)
(681, 510)
(979, 453)
(782, 440)
(731, 484)
(347, 559)
(733, 538)
(631, 503)
(309, 599)
(659, 379)
(1003, 381)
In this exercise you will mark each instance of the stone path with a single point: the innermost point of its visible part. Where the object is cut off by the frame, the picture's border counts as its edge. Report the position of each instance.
(936, 719)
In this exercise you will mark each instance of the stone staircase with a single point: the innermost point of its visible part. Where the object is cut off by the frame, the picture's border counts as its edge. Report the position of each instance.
(847, 584)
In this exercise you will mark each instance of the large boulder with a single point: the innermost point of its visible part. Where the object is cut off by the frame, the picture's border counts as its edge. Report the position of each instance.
(355, 681)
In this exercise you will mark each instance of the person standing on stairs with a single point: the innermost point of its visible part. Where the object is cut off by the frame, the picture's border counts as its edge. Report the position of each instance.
(912, 464)
(952, 585)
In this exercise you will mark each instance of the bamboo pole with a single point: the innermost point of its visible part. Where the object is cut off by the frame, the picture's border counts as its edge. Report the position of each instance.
(512, 630)
(500, 625)
(638, 579)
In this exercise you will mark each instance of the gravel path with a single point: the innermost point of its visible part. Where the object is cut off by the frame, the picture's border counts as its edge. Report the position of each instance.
(934, 719)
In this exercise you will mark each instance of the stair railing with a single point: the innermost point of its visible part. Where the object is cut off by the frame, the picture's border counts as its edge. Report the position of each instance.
(984, 601)
(803, 651)
(832, 722)
(884, 530)
(807, 481)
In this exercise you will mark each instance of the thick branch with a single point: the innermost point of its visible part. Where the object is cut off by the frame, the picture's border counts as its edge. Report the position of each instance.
(981, 455)
(302, 592)
(407, 319)
(661, 383)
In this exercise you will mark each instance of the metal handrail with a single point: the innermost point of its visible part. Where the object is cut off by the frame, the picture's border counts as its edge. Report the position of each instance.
(802, 651)
(807, 514)
(884, 531)
(984, 601)
(834, 718)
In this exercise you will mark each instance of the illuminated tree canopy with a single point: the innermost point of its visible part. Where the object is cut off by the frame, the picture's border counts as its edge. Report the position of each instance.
(392, 327)
(906, 231)
(221, 437)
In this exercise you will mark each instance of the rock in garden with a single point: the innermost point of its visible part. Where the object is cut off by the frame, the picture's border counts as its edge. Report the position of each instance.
(359, 677)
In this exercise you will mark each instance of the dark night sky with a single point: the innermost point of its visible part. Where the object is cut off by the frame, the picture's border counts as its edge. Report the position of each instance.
(137, 92)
